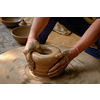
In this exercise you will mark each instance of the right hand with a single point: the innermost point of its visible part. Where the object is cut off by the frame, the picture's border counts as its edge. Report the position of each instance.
(65, 57)
(29, 48)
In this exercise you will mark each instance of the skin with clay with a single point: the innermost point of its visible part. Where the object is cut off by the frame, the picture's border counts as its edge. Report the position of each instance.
(67, 55)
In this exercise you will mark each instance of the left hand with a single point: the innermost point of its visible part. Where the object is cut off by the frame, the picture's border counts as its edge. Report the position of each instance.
(57, 69)
(29, 48)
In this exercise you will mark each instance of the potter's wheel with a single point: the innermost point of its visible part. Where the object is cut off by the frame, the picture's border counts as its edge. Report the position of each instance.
(83, 69)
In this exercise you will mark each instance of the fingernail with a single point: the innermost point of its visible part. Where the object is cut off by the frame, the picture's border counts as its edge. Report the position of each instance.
(48, 74)
(50, 70)
(58, 56)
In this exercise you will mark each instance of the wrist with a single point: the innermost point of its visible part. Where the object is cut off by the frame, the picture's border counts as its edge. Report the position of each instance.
(32, 36)
(74, 51)
(30, 39)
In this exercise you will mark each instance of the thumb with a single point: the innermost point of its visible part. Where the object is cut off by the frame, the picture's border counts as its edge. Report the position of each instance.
(39, 49)
(62, 54)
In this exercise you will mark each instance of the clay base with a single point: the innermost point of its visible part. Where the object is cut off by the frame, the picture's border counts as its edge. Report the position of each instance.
(84, 69)
(45, 80)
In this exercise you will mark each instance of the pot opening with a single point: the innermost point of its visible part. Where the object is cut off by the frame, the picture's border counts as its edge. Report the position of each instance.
(46, 51)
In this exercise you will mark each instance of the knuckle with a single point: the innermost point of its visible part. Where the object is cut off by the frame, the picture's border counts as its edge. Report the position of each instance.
(26, 51)
(59, 55)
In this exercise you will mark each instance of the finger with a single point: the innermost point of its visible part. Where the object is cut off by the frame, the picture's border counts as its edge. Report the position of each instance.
(29, 60)
(29, 47)
(26, 50)
(56, 66)
(30, 67)
(59, 55)
(62, 54)
(37, 46)
(59, 64)
(56, 74)
(39, 49)
(58, 70)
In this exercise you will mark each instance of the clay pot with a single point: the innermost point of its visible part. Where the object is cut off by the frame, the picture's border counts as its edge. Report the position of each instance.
(43, 62)
(22, 23)
(21, 34)
(11, 21)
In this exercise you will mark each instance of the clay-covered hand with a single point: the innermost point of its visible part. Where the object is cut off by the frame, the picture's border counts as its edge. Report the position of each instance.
(29, 48)
(57, 69)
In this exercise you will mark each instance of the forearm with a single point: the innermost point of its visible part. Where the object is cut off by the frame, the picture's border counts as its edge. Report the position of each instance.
(38, 25)
(89, 37)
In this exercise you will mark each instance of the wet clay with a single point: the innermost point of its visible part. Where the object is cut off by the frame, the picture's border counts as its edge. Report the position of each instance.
(44, 61)
(84, 69)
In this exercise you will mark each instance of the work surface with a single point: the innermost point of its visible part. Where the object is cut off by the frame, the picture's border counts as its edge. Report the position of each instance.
(84, 69)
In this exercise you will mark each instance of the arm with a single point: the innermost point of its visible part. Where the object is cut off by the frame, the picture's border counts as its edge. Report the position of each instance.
(89, 37)
(37, 26)
(32, 44)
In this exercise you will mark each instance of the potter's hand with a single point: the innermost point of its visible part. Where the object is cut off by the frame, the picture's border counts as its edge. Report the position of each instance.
(65, 57)
(29, 48)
